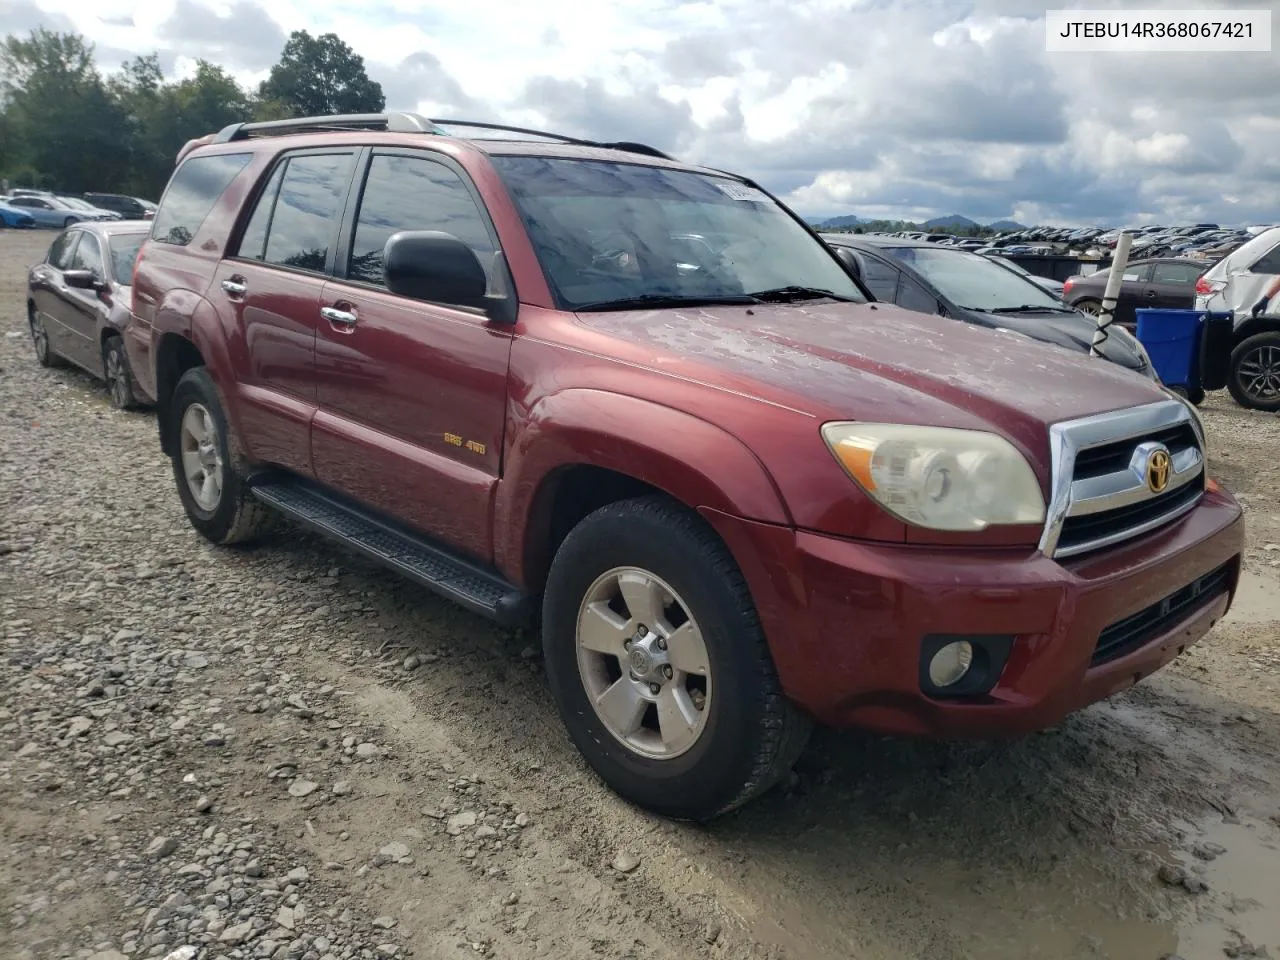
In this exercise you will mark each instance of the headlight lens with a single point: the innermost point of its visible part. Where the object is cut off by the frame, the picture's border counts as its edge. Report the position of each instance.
(938, 477)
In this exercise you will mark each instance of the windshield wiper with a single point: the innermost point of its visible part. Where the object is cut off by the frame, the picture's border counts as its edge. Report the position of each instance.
(791, 294)
(1025, 308)
(660, 300)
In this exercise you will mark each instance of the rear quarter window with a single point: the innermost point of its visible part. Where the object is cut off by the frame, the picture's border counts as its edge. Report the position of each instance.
(193, 190)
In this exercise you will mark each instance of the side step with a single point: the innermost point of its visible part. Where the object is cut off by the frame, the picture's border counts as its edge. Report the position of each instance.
(482, 590)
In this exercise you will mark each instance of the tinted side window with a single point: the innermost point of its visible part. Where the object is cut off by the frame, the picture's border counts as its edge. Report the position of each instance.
(194, 189)
(1139, 273)
(1175, 273)
(253, 244)
(912, 296)
(61, 250)
(307, 210)
(411, 193)
(88, 256)
(1270, 263)
(878, 277)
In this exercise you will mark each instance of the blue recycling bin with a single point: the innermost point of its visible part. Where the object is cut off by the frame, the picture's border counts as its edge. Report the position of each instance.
(1172, 338)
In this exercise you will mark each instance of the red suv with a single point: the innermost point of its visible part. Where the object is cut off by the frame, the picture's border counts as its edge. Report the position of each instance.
(643, 401)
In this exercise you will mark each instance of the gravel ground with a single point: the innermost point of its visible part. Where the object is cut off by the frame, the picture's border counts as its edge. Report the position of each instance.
(288, 753)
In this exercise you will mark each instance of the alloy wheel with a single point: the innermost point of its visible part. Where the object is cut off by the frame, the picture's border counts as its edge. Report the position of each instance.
(39, 339)
(644, 663)
(201, 458)
(1258, 373)
(117, 378)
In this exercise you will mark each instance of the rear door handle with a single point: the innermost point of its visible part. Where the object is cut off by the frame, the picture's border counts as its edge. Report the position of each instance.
(343, 321)
(235, 286)
(1151, 293)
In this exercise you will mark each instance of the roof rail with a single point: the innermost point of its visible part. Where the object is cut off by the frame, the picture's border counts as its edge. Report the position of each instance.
(624, 145)
(391, 122)
(403, 123)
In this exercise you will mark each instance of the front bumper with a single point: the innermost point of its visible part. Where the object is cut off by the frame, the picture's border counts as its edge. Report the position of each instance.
(845, 619)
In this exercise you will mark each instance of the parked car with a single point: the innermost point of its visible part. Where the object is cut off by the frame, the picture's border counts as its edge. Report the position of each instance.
(1147, 283)
(1236, 283)
(1047, 284)
(98, 212)
(644, 398)
(969, 287)
(79, 299)
(15, 217)
(51, 211)
(131, 208)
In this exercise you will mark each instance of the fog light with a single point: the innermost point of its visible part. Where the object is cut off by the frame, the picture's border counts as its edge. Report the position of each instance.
(950, 664)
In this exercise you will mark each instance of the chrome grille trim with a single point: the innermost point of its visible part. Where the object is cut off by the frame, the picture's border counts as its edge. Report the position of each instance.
(1071, 498)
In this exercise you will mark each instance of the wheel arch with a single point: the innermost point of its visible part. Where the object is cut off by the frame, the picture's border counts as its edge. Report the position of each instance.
(570, 457)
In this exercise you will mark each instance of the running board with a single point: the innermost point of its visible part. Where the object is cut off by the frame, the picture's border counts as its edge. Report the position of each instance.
(478, 589)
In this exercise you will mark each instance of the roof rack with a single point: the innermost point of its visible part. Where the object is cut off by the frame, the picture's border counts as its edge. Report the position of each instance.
(405, 123)
(390, 122)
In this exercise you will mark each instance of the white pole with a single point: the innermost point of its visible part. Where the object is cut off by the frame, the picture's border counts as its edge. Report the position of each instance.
(1107, 312)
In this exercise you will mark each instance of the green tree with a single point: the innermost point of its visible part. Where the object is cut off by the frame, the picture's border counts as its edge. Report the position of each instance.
(321, 75)
(59, 117)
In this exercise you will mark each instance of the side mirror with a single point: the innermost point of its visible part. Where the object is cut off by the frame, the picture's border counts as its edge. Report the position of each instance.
(850, 261)
(437, 266)
(80, 279)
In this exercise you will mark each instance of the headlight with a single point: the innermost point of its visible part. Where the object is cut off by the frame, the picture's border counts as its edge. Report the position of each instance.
(938, 477)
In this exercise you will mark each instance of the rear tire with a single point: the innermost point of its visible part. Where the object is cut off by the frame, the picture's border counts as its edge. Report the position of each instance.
(1255, 372)
(213, 492)
(118, 375)
(706, 736)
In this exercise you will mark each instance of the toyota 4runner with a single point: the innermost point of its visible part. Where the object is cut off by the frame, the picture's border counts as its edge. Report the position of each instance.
(643, 402)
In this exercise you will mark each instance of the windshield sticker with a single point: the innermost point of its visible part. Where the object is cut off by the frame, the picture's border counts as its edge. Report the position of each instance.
(738, 191)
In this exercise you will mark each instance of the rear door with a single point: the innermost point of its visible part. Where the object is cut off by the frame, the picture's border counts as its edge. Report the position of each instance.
(1131, 294)
(1171, 284)
(268, 293)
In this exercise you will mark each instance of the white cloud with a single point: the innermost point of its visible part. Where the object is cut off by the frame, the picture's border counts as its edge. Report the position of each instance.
(898, 107)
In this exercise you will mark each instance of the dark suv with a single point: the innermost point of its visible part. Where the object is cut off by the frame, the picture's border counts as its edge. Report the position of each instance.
(131, 208)
(642, 400)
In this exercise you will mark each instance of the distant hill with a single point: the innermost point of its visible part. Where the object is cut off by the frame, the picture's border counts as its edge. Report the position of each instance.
(833, 223)
(953, 221)
(1006, 225)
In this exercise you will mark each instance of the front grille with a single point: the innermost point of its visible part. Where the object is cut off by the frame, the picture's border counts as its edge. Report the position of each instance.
(1127, 635)
(1092, 527)
(1114, 457)
(1100, 495)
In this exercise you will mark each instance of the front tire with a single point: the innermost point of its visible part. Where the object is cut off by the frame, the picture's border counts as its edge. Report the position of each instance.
(659, 665)
(119, 378)
(214, 495)
(1255, 372)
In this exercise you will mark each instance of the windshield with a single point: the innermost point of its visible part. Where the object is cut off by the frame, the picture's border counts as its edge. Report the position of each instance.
(124, 251)
(973, 282)
(609, 232)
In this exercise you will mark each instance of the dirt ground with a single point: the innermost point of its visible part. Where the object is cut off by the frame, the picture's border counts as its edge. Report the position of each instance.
(286, 752)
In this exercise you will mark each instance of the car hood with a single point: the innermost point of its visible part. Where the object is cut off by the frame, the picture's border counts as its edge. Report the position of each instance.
(874, 362)
(1071, 330)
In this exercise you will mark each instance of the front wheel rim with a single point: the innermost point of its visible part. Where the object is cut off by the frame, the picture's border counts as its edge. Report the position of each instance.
(201, 458)
(1259, 373)
(117, 379)
(40, 339)
(643, 663)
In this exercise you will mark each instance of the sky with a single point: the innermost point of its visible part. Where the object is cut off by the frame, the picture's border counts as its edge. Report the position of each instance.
(881, 108)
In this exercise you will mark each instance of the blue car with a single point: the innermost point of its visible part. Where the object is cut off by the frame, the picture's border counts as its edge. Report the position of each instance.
(49, 211)
(13, 217)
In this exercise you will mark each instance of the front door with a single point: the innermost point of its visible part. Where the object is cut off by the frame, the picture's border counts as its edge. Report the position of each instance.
(269, 291)
(84, 307)
(412, 395)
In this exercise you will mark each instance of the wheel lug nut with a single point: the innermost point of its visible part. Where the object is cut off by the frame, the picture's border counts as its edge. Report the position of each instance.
(662, 644)
(666, 670)
(655, 688)
(642, 631)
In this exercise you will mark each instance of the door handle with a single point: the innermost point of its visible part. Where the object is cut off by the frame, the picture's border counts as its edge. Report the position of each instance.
(1151, 293)
(343, 321)
(235, 286)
